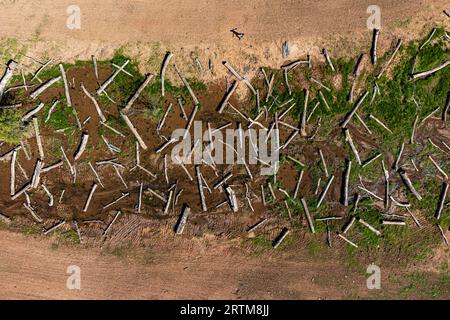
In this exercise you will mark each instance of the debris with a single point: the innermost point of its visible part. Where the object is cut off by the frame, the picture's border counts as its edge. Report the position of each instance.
(179, 227)
(438, 167)
(284, 233)
(7, 76)
(308, 216)
(81, 147)
(409, 184)
(134, 131)
(148, 78)
(364, 223)
(325, 191)
(324, 164)
(346, 240)
(97, 107)
(380, 123)
(431, 71)
(105, 233)
(186, 84)
(428, 39)
(349, 116)
(44, 87)
(231, 197)
(373, 50)
(88, 201)
(50, 111)
(304, 114)
(200, 188)
(124, 195)
(66, 86)
(33, 213)
(111, 78)
(227, 96)
(327, 58)
(345, 182)
(349, 139)
(441, 202)
(32, 112)
(383, 69)
(50, 196)
(297, 186)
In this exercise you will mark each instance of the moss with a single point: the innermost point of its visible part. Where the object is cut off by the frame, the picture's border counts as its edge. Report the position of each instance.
(12, 129)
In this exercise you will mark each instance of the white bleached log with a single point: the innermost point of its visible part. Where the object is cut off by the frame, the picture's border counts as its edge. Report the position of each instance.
(37, 174)
(82, 146)
(186, 84)
(123, 196)
(409, 184)
(231, 197)
(89, 198)
(66, 85)
(165, 63)
(303, 132)
(190, 121)
(200, 188)
(327, 58)
(134, 131)
(108, 229)
(297, 185)
(371, 228)
(179, 228)
(7, 76)
(349, 116)
(52, 167)
(373, 50)
(49, 194)
(346, 182)
(441, 202)
(308, 215)
(349, 139)
(32, 112)
(111, 78)
(384, 68)
(325, 191)
(97, 107)
(438, 167)
(163, 119)
(12, 184)
(148, 78)
(347, 240)
(33, 213)
(44, 87)
(227, 96)
(324, 164)
(50, 111)
(239, 77)
(284, 233)
(431, 71)
(38, 138)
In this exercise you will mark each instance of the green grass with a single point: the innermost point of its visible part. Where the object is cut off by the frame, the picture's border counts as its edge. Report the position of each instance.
(12, 130)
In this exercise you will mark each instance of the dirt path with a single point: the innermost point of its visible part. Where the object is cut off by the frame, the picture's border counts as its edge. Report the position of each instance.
(36, 269)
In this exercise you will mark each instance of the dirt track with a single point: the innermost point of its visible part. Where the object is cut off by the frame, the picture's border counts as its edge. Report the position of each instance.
(35, 269)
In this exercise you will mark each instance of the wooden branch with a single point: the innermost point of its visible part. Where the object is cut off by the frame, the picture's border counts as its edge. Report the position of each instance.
(349, 139)
(124, 195)
(380, 123)
(364, 223)
(308, 216)
(105, 233)
(349, 116)
(324, 164)
(7, 76)
(134, 131)
(411, 140)
(81, 147)
(97, 107)
(373, 50)
(149, 77)
(438, 167)
(186, 84)
(190, 121)
(320, 84)
(52, 167)
(428, 39)
(409, 184)
(33, 213)
(179, 227)
(431, 71)
(284, 233)
(347, 240)
(44, 87)
(397, 161)
(111, 78)
(303, 132)
(325, 191)
(349, 225)
(446, 108)
(227, 96)
(256, 225)
(165, 63)
(383, 69)
(32, 112)
(66, 86)
(239, 77)
(200, 188)
(327, 58)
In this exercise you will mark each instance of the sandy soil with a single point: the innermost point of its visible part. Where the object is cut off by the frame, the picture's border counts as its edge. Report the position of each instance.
(36, 269)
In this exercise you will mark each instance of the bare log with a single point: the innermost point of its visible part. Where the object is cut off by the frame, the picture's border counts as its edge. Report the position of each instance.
(148, 78)
(7, 76)
(33, 213)
(409, 184)
(200, 188)
(105, 233)
(111, 78)
(179, 227)
(373, 50)
(371, 228)
(66, 86)
(82, 146)
(441, 202)
(186, 84)
(431, 71)
(134, 131)
(327, 58)
(345, 182)
(349, 139)
(227, 96)
(89, 198)
(13, 173)
(190, 121)
(428, 39)
(97, 107)
(231, 197)
(44, 87)
(32, 112)
(349, 116)
(303, 132)
(123, 196)
(380, 123)
(308, 215)
(297, 186)
(284, 233)
(165, 63)
(384, 68)
(325, 191)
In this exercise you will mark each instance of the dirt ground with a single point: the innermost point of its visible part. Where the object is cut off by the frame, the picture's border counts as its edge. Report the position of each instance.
(35, 268)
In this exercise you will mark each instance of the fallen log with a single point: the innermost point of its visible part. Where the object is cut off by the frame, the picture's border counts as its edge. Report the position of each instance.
(134, 131)
(200, 188)
(349, 116)
(308, 215)
(373, 50)
(33, 213)
(44, 87)
(384, 68)
(231, 197)
(284, 233)
(179, 227)
(303, 132)
(111, 78)
(81, 147)
(424, 74)
(327, 58)
(349, 139)
(408, 183)
(345, 182)
(66, 86)
(371, 228)
(188, 87)
(380, 123)
(32, 112)
(227, 96)
(123, 196)
(105, 233)
(13, 173)
(89, 198)
(148, 78)
(50, 196)
(97, 107)
(325, 191)
(165, 63)
(7, 76)
(441, 202)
